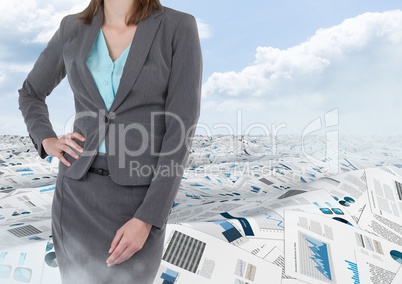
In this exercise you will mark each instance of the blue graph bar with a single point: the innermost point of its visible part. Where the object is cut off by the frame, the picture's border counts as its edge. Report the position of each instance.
(232, 235)
(353, 267)
(169, 276)
(243, 221)
(224, 224)
(255, 189)
(171, 272)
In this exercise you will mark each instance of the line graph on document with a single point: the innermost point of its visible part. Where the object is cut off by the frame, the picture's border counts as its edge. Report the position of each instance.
(269, 222)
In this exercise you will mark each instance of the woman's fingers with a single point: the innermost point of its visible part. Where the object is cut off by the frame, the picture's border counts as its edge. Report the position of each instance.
(63, 159)
(117, 247)
(129, 239)
(69, 140)
(124, 255)
(58, 147)
(116, 240)
(74, 145)
(66, 149)
(78, 136)
(125, 249)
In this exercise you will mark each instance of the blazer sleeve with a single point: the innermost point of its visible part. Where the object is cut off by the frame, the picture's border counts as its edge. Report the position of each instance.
(182, 110)
(46, 74)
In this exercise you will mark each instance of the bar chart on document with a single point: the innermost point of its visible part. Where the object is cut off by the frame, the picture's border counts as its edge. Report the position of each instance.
(316, 261)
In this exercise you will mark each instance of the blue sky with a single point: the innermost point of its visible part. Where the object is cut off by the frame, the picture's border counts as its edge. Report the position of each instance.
(265, 62)
(239, 28)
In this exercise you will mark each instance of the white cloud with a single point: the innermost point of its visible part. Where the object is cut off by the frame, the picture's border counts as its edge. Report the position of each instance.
(35, 20)
(204, 30)
(354, 66)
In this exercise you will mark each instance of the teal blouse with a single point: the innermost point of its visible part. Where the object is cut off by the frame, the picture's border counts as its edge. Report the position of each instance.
(106, 73)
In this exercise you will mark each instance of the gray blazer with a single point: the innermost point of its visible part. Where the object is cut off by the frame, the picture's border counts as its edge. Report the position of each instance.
(150, 126)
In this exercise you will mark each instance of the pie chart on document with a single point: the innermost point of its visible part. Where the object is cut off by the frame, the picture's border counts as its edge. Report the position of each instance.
(51, 260)
(396, 255)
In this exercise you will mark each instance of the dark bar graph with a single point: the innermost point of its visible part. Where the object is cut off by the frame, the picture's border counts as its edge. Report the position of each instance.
(184, 251)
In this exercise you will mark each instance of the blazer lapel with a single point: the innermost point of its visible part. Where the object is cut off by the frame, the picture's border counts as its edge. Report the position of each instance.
(138, 52)
(87, 36)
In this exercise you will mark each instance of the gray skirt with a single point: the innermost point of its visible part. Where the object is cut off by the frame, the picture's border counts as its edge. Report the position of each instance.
(86, 214)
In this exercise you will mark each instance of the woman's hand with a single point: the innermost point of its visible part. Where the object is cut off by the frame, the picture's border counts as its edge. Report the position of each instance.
(129, 239)
(57, 147)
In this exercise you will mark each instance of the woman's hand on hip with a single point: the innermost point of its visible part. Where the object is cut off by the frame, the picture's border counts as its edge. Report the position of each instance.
(129, 239)
(56, 147)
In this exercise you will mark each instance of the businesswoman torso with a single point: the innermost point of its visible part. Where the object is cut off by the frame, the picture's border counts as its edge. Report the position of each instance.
(109, 225)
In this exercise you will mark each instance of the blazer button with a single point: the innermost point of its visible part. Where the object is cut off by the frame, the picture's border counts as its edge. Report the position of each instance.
(106, 119)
